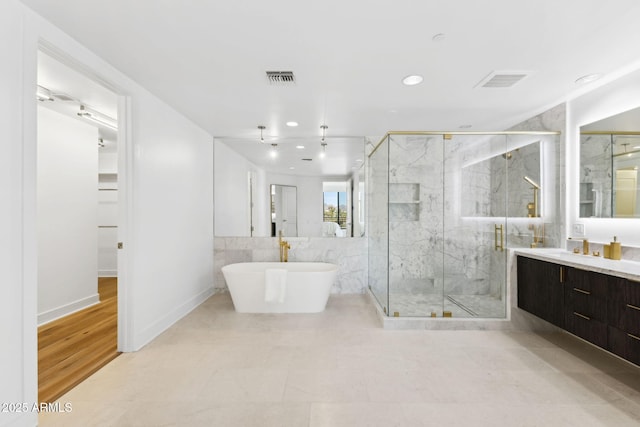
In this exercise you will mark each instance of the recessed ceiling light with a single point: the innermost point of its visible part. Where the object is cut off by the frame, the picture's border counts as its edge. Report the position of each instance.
(300, 147)
(588, 78)
(292, 124)
(291, 168)
(412, 80)
(438, 37)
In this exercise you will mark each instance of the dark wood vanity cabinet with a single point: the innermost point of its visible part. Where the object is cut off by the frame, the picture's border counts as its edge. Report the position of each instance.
(602, 309)
(541, 289)
(585, 310)
(624, 331)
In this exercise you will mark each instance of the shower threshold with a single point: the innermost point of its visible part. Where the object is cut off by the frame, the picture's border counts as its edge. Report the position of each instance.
(474, 312)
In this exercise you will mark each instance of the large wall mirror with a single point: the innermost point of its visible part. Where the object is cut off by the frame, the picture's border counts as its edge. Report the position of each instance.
(296, 185)
(609, 162)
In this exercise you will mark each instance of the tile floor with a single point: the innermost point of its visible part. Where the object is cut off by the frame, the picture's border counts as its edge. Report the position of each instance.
(339, 368)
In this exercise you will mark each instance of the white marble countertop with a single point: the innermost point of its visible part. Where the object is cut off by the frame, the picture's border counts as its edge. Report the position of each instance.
(620, 268)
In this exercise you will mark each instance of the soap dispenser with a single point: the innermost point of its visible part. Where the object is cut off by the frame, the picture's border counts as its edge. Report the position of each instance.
(615, 250)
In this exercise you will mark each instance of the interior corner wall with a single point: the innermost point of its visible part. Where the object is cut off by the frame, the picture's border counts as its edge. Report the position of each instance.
(67, 215)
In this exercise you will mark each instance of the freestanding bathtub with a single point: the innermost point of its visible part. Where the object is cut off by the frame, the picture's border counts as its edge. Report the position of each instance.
(307, 289)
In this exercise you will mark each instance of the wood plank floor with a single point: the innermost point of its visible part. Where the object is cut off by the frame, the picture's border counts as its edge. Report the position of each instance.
(72, 348)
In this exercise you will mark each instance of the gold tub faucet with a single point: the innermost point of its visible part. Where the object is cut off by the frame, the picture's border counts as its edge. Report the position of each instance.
(284, 248)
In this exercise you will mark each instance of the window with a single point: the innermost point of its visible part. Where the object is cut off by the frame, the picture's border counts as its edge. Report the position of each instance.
(335, 207)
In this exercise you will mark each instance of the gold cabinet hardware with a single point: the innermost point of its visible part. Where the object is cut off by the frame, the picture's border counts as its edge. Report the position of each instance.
(582, 291)
(634, 337)
(561, 274)
(633, 307)
(582, 315)
(499, 243)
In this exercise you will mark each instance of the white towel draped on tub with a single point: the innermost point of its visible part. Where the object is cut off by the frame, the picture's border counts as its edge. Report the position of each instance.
(275, 284)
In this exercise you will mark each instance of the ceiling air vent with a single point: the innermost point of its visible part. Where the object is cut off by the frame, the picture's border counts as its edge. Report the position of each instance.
(502, 79)
(281, 78)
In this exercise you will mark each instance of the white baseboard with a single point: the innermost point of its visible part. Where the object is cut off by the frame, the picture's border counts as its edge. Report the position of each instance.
(107, 273)
(67, 309)
(162, 324)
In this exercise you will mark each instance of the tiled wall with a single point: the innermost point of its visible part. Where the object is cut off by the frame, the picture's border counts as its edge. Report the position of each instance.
(349, 253)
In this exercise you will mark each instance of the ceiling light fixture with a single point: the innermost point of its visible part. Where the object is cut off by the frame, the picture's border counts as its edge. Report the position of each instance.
(323, 143)
(274, 151)
(300, 147)
(412, 80)
(98, 118)
(292, 124)
(43, 94)
(588, 79)
(261, 129)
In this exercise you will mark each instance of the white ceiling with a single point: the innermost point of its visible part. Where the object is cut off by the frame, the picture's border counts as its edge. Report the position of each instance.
(208, 58)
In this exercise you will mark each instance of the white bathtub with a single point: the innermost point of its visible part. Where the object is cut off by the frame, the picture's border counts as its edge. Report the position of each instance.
(308, 285)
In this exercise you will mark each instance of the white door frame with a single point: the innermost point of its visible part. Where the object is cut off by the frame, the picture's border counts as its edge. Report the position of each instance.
(125, 190)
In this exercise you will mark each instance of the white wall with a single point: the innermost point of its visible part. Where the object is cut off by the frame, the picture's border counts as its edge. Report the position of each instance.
(18, 358)
(618, 96)
(169, 194)
(67, 215)
(231, 196)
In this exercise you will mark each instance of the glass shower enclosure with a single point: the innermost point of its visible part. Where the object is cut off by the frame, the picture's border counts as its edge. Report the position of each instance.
(439, 206)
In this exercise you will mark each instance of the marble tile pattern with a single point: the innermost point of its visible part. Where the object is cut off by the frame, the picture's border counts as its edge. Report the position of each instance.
(349, 254)
(216, 367)
(554, 170)
(596, 172)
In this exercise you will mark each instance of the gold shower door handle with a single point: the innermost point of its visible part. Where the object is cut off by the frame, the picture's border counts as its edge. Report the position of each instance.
(499, 243)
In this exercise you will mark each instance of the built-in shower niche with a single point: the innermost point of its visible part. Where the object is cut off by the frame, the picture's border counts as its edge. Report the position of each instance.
(404, 202)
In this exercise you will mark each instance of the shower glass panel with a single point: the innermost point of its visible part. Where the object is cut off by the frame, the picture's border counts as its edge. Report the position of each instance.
(439, 208)
(378, 222)
(475, 209)
(416, 203)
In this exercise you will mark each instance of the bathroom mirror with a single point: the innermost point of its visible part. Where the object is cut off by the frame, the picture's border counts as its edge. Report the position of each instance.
(245, 170)
(522, 180)
(609, 162)
(284, 210)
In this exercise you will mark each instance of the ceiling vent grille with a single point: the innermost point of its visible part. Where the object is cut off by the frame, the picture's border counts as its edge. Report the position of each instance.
(502, 79)
(281, 78)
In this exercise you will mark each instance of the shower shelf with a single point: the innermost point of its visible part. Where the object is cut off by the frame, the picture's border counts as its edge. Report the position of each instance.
(405, 203)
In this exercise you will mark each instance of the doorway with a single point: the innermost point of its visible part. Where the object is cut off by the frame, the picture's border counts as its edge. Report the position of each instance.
(78, 217)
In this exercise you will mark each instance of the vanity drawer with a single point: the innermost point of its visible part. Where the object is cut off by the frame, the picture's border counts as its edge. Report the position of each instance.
(585, 327)
(588, 282)
(633, 349)
(632, 320)
(633, 293)
(618, 342)
(583, 302)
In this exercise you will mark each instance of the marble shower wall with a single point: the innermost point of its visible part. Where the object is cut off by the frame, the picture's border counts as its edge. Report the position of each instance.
(415, 214)
(554, 175)
(596, 174)
(349, 253)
